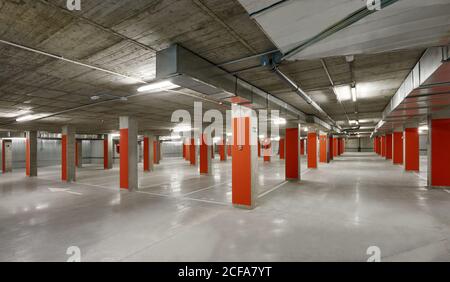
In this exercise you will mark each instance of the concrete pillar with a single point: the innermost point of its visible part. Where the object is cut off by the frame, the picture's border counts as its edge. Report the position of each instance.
(108, 153)
(411, 149)
(281, 148)
(245, 157)
(148, 154)
(397, 154)
(323, 139)
(31, 153)
(205, 159)
(68, 143)
(312, 150)
(438, 153)
(389, 146)
(79, 153)
(293, 156)
(128, 153)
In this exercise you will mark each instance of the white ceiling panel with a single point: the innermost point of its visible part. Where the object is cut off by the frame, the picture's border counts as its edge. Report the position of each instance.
(404, 25)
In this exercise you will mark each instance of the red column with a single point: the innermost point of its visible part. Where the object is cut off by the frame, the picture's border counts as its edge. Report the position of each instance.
(378, 145)
(292, 153)
(203, 155)
(335, 148)
(155, 152)
(242, 172)
(398, 148)
(323, 149)
(312, 150)
(440, 153)
(188, 152)
(222, 153)
(147, 154)
(388, 146)
(259, 149)
(339, 141)
(3, 157)
(411, 149)
(267, 150)
(229, 150)
(302, 147)
(282, 149)
(124, 184)
(383, 146)
(64, 157)
(330, 148)
(192, 152)
(105, 153)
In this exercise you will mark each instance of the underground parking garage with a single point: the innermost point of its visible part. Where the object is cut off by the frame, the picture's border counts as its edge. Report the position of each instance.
(224, 131)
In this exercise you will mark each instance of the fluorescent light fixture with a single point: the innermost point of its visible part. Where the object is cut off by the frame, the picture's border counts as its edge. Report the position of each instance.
(157, 86)
(182, 128)
(280, 121)
(343, 93)
(216, 139)
(354, 97)
(275, 138)
(229, 134)
(261, 136)
(25, 118)
(423, 128)
(305, 129)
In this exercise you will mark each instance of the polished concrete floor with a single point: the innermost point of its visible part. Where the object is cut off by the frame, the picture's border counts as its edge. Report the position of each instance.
(334, 214)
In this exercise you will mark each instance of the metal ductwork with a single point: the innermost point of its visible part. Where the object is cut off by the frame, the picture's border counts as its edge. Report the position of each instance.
(188, 70)
(425, 91)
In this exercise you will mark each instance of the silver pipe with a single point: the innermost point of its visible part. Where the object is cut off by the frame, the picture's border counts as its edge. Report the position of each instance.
(302, 94)
(70, 61)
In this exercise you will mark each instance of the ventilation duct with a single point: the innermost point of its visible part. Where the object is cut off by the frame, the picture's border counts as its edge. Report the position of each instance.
(425, 91)
(188, 70)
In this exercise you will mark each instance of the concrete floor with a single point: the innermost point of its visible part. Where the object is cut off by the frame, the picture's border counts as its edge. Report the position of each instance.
(334, 214)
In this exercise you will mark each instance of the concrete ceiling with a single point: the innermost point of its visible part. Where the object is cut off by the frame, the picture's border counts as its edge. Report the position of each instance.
(123, 37)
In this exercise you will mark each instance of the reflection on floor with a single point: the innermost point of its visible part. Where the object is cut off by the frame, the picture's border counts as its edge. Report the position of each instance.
(335, 213)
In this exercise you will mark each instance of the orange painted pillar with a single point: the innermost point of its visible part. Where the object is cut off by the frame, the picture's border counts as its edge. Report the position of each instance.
(388, 146)
(330, 148)
(146, 153)
(292, 163)
(335, 147)
(229, 150)
(244, 161)
(397, 154)
(312, 150)
(205, 156)
(267, 150)
(259, 149)
(323, 149)
(439, 157)
(302, 147)
(31, 153)
(375, 145)
(105, 153)
(222, 147)
(128, 153)
(188, 151)
(68, 154)
(282, 149)
(192, 156)
(383, 146)
(411, 149)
